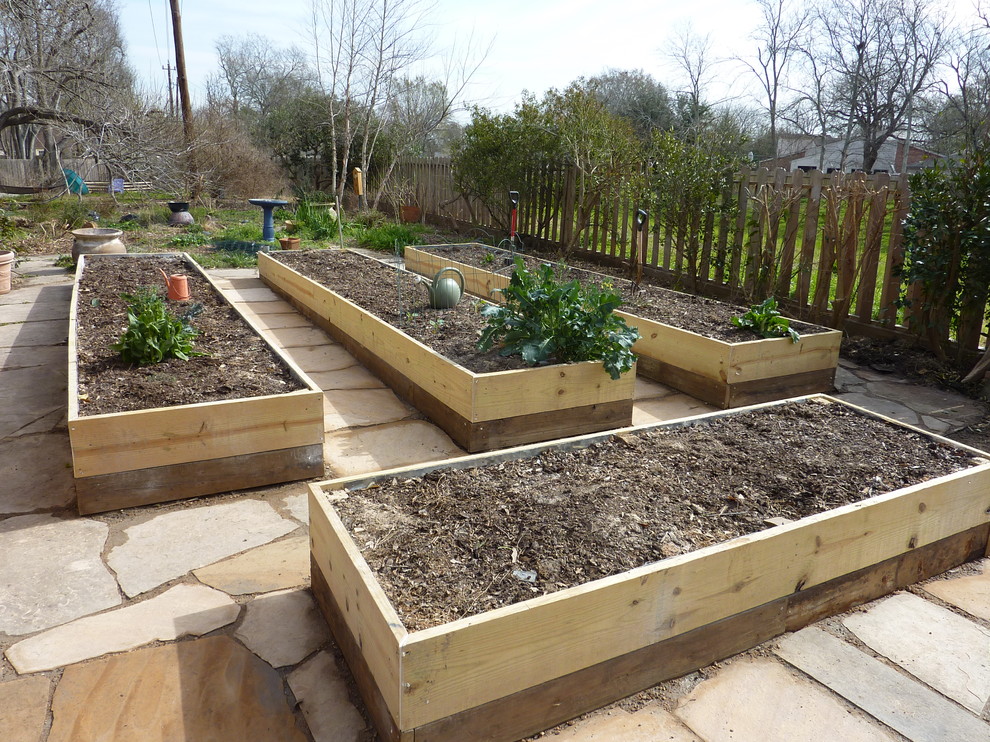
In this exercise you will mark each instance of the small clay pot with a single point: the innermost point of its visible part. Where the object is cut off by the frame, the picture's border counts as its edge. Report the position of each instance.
(289, 243)
(97, 241)
(6, 267)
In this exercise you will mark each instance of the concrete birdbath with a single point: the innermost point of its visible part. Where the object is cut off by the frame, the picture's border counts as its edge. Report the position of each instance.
(268, 206)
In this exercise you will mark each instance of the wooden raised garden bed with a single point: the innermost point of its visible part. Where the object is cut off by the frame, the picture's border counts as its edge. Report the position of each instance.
(158, 454)
(517, 669)
(725, 374)
(479, 411)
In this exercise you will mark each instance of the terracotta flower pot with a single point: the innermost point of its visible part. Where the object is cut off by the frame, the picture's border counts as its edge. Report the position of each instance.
(409, 214)
(6, 267)
(289, 243)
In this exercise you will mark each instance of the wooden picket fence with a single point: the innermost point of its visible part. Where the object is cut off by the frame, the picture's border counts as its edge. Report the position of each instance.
(828, 246)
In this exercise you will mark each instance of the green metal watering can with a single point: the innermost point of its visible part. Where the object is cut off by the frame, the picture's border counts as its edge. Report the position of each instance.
(445, 292)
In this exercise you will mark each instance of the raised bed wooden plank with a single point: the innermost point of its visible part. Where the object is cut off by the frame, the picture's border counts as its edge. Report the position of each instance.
(714, 371)
(142, 457)
(457, 675)
(478, 411)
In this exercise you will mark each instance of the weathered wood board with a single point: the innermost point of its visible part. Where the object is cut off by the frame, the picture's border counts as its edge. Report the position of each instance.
(480, 412)
(723, 374)
(513, 671)
(167, 453)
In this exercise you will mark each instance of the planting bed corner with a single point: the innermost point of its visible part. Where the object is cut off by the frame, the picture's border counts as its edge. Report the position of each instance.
(514, 670)
(724, 373)
(479, 411)
(163, 453)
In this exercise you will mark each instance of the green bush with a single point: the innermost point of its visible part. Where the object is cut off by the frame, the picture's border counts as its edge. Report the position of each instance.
(387, 236)
(543, 320)
(153, 334)
(316, 222)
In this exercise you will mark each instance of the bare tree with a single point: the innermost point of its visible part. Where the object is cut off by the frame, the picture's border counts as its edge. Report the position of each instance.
(254, 72)
(62, 66)
(692, 55)
(779, 39)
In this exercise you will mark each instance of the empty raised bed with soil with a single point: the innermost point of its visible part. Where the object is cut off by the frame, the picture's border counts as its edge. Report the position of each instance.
(492, 596)
(482, 401)
(687, 342)
(242, 415)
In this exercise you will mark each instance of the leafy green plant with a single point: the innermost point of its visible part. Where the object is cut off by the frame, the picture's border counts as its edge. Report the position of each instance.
(153, 333)
(386, 236)
(316, 221)
(488, 258)
(543, 319)
(65, 261)
(226, 259)
(766, 321)
(189, 239)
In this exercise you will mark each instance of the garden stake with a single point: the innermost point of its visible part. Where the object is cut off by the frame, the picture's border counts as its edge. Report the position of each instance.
(514, 199)
(639, 253)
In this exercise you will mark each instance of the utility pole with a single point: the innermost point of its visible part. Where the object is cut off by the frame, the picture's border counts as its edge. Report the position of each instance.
(171, 99)
(180, 73)
(182, 84)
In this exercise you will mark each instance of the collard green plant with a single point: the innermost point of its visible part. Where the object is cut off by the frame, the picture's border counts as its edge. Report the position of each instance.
(153, 334)
(765, 320)
(544, 320)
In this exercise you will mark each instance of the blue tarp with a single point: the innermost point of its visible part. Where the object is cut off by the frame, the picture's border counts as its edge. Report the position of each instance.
(75, 183)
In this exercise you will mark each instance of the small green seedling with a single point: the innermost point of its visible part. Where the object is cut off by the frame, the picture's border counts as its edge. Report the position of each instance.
(765, 320)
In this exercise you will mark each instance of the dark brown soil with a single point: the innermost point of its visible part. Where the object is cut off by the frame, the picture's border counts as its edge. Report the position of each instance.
(400, 299)
(708, 317)
(237, 364)
(456, 543)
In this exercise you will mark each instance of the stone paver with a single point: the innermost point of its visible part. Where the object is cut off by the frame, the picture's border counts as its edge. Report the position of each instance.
(354, 377)
(298, 506)
(650, 724)
(930, 642)
(971, 593)
(901, 703)
(43, 356)
(649, 389)
(759, 700)
(184, 610)
(29, 334)
(36, 471)
(276, 566)
(51, 572)
(671, 407)
(888, 407)
(35, 313)
(321, 358)
(38, 295)
(321, 691)
(205, 689)
(299, 337)
(283, 628)
(170, 545)
(364, 450)
(929, 400)
(356, 408)
(23, 708)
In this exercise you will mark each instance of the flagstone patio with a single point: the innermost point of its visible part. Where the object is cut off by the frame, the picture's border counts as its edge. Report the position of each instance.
(193, 621)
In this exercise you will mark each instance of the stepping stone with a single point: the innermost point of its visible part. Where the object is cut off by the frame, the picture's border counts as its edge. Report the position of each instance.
(927, 400)
(267, 307)
(757, 700)
(649, 389)
(941, 648)
(298, 507)
(355, 377)
(321, 358)
(649, 724)
(846, 381)
(971, 593)
(278, 321)
(321, 692)
(671, 407)
(886, 407)
(180, 611)
(38, 295)
(893, 698)
(355, 408)
(299, 337)
(29, 334)
(251, 296)
(364, 450)
(35, 313)
(41, 356)
(205, 689)
(23, 708)
(170, 545)
(233, 273)
(51, 572)
(36, 471)
(276, 566)
(283, 628)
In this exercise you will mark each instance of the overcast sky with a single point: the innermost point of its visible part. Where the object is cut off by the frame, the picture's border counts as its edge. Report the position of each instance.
(535, 44)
